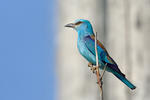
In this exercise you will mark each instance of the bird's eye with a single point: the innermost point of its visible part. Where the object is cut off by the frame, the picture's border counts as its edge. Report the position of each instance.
(78, 23)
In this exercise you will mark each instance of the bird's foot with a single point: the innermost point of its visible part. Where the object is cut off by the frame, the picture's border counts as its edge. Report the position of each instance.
(93, 69)
(90, 64)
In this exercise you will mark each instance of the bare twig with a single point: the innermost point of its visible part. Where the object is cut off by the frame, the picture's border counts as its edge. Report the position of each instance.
(97, 69)
(103, 71)
(93, 68)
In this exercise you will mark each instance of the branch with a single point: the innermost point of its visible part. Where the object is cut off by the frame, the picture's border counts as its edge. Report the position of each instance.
(97, 69)
(103, 71)
(99, 76)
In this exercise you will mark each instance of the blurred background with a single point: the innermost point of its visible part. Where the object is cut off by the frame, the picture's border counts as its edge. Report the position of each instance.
(39, 59)
(123, 26)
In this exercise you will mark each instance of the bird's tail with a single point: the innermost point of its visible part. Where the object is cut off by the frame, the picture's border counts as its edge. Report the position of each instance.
(124, 80)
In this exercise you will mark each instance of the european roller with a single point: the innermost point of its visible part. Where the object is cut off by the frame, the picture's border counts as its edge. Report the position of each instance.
(86, 47)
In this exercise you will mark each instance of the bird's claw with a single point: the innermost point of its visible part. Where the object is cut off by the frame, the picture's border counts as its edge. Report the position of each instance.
(90, 65)
(93, 69)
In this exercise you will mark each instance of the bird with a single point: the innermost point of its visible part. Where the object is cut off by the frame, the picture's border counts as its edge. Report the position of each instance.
(86, 47)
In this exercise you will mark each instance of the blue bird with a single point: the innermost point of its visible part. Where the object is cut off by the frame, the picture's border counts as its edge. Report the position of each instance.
(86, 47)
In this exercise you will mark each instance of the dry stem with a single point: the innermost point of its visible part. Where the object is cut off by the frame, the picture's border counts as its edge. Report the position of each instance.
(97, 69)
(99, 76)
(93, 68)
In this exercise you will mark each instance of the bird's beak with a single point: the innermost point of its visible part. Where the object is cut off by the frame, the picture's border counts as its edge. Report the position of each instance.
(72, 25)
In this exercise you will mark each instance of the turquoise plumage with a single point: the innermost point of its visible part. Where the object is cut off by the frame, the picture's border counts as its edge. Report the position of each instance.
(86, 47)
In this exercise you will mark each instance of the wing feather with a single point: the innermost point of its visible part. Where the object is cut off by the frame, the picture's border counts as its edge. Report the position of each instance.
(102, 52)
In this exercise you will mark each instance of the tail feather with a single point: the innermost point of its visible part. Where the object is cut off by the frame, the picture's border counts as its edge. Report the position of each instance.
(124, 80)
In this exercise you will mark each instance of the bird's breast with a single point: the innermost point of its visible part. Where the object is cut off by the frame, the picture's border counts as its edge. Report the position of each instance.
(85, 52)
(81, 47)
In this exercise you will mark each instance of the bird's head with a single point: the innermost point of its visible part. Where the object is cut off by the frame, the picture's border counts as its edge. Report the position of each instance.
(81, 25)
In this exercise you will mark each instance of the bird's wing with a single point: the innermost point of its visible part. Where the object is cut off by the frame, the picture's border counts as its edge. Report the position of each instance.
(102, 53)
